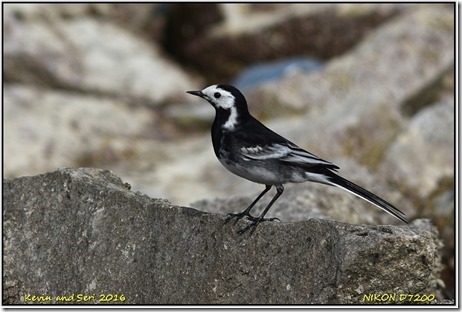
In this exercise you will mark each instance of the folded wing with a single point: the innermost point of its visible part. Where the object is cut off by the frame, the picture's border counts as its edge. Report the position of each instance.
(288, 153)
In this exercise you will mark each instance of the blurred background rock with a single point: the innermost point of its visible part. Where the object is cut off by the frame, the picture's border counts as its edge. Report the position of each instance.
(369, 87)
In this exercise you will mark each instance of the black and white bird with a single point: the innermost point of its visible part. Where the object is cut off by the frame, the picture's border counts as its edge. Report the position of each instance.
(247, 148)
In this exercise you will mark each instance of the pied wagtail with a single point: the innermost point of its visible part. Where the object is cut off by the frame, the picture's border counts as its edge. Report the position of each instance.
(250, 150)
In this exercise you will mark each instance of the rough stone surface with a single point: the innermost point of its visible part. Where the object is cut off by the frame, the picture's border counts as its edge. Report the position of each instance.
(81, 231)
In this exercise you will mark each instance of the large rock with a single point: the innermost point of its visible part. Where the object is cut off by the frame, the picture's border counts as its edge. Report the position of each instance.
(83, 232)
(67, 47)
(425, 150)
(46, 129)
(243, 34)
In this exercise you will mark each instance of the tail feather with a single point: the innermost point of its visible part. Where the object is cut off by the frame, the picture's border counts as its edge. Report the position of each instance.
(366, 195)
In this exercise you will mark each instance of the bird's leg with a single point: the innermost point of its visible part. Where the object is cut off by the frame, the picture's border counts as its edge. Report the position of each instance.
(247, 211)
(256, 221)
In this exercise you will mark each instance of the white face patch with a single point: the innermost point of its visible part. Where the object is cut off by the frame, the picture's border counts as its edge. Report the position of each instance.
(222, 99)
(219, 97)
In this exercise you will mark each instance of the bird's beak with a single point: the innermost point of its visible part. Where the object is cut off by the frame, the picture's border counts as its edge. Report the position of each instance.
(197, 93)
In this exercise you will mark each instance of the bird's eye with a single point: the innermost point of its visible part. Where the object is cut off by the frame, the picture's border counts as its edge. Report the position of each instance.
(217, 95)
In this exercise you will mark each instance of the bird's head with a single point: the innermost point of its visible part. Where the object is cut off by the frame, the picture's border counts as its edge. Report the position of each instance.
(230, 104)
(223, 97)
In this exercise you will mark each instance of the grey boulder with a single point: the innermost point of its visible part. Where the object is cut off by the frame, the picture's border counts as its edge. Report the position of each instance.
(76, 232)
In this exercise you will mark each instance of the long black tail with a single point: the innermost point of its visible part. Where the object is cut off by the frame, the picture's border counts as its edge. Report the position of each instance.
(366, 195)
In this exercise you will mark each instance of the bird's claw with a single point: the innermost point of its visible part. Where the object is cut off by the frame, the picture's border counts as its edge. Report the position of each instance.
(253, 225)
(238, 216)
(243, 214)
(259, 220)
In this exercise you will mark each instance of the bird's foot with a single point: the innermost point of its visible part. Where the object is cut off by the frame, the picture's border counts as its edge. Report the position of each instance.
(253, 225)
(243, 214)
(260, 220)
(255, 222)
(238, 216)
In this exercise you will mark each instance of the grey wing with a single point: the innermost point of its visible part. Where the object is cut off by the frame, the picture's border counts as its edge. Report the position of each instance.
(288, 153)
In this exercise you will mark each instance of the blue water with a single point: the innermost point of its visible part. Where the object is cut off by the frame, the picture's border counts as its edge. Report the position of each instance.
(264, 72)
